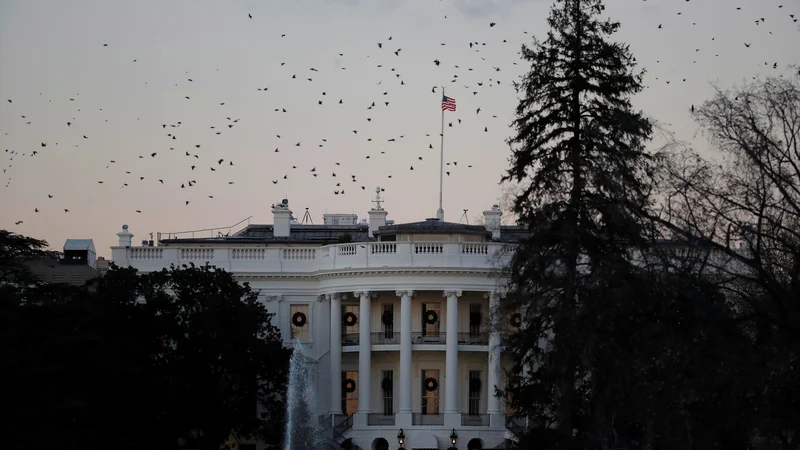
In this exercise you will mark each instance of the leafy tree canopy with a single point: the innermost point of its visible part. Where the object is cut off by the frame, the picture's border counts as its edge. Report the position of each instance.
(181, 356)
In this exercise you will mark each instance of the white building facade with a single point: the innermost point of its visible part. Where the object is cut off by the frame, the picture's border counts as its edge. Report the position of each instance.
(398, 321)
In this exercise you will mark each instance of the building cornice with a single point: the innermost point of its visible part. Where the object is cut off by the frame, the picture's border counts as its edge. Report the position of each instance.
(367, 272)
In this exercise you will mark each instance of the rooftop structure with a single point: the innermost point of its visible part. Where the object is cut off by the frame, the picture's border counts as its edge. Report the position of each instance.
(76, 266)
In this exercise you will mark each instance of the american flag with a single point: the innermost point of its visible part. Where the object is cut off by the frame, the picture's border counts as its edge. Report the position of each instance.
(448, 104)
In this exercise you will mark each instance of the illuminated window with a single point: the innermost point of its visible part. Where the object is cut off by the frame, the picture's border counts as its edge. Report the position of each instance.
(430, 392)
(349, 399)
(298, 316)
(430, 322)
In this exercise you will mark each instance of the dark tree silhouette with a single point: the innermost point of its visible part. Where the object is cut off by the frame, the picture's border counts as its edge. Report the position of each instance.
(215, 353)
(579, 155)
(15, 250)
(140, 361)
(745, 207)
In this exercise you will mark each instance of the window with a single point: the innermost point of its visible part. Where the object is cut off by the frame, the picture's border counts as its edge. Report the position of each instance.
(516, 315)
(388, 392)
(431, 329)
(388, 328)
(475, 320)
(349, 399)
(509, 410)
(298, 317)
(350, 333)
(430, 392)
(474, 392)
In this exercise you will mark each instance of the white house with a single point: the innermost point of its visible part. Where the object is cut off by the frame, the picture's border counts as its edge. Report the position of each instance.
(394, 318)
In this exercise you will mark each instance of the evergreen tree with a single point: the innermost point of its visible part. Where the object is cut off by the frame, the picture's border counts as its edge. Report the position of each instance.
(579, 155)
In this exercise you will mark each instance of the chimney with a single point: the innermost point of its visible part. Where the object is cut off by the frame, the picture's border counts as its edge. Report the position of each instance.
(282, 219)
(491, 220)
(125, 237)
(377, 215)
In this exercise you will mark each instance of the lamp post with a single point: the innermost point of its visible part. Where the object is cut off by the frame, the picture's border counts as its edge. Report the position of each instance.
(453, 439)
(401, 439)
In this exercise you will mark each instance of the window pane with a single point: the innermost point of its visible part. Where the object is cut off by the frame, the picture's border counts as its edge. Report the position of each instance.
(430, 399)
(431, 329)
(354, 328)
(474, 394)
(297, 313)
(475, 319)
(388, 328)
(388, 394)
(349, 399)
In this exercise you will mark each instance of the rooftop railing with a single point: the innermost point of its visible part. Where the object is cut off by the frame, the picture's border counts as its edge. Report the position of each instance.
(308, 258)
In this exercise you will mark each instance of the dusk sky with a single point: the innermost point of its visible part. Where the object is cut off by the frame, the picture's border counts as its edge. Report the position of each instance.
(97, 81)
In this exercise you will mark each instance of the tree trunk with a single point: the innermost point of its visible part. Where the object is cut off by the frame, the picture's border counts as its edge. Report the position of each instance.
(567, 385)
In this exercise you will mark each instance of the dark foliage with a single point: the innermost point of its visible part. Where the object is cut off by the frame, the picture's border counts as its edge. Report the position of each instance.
(745, 207)
(579, 157)
(141, 361)
(629, 340)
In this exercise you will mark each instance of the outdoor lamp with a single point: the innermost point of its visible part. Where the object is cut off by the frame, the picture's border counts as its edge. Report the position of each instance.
(401, 437)
(453, 437)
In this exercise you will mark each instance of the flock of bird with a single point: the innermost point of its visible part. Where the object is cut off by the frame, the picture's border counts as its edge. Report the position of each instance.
(471, 78)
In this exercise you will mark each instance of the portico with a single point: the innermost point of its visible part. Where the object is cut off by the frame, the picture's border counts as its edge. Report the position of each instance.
(471, 329)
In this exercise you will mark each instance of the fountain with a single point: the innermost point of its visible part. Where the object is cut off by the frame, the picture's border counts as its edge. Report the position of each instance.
(302, 427)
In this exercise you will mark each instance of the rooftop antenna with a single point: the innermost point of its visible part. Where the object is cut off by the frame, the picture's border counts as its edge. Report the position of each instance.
(464, 217)
(377, 200)
(307, 218)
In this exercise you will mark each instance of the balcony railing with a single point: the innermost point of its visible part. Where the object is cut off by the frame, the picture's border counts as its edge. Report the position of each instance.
(385, 338)
(473, 338)
(393, 338)
(427, 419)
(276, 259)
(380, 419)
(474, 420)
(350, 339)
(428, 338)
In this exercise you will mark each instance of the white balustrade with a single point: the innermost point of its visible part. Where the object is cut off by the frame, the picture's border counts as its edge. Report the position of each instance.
(383, 248)
(310, 259)
(425, 248)
(248, 254)
(145, 253)
(475, 249)
(293, 253)
(347, 250)
(202, 254)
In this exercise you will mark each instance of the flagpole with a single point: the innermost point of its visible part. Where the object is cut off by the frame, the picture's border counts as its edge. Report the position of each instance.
(440, 212)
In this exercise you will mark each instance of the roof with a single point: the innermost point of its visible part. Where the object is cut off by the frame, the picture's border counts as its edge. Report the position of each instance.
(300, 234)
(79, 244)
(332, 234)
(433, 226)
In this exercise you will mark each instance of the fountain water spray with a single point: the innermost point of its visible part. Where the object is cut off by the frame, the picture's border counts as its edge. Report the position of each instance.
(302, 427)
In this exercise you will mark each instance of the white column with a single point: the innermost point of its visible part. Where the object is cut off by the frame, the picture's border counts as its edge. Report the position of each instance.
(364, 353)
(336, 352)
(451, 355)
(494, 404)
(404, 403)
